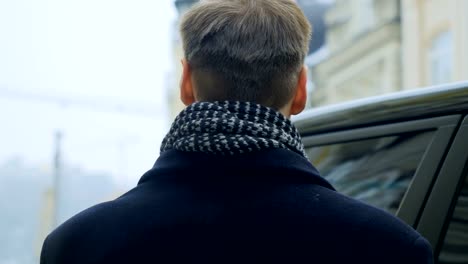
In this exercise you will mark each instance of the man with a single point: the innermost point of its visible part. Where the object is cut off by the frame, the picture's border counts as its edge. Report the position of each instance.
(232, 183)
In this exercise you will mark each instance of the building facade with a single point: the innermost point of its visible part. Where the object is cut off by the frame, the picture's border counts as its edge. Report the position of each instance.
(376, 46)
(362, 55)
(435, 42)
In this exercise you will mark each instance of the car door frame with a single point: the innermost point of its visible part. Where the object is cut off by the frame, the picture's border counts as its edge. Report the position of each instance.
(439, 207)
(417, 193)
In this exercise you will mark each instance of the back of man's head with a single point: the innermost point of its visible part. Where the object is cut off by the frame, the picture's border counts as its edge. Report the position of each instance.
(246, 50)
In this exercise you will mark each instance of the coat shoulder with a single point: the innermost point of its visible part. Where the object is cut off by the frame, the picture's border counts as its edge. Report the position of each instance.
(375, 231)
(94, 231)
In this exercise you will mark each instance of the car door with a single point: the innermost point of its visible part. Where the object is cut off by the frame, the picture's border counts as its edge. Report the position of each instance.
(444, 220)
(391, 166)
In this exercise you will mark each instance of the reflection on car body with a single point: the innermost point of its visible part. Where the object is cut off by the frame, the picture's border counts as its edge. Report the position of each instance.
(372, 170)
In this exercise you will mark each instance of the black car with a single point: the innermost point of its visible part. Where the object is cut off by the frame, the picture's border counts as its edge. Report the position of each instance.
(406, 153)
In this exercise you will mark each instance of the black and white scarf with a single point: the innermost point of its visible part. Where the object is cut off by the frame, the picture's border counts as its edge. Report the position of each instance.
(231, 128)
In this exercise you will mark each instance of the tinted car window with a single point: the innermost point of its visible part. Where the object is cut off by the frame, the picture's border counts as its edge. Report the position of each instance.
(455, 246)
(377, 171)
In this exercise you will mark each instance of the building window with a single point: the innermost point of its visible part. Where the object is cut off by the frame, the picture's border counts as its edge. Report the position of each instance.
(441, 58)
(366, 15)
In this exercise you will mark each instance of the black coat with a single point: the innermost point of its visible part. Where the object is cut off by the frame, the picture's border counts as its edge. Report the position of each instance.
(263, 207)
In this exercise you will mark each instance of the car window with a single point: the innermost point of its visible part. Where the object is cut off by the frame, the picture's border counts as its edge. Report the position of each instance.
(377, 171)
(455, 246)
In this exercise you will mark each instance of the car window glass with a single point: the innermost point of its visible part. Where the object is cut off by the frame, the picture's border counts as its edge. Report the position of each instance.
(455, 246)
(377, 171)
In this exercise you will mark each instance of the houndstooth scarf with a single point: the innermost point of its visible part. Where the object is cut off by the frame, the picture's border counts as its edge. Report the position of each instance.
(230, 128)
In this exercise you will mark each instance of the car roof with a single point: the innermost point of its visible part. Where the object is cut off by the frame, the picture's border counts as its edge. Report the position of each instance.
(404, 105)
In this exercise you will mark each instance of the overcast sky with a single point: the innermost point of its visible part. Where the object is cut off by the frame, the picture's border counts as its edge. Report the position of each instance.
(112, 50)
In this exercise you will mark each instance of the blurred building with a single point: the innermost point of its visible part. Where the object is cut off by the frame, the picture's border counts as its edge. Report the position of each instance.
(361, 48)
(78, 190)
(362, 56)
(315, 10)
(21, 189)
(46, 219)
(435, 42)
(374, 47)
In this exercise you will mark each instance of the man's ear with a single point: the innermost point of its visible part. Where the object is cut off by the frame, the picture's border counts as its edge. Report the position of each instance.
(300, 98)
(186, 85)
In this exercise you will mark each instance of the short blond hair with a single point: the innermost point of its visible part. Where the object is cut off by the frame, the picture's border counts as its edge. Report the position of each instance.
(248, 50)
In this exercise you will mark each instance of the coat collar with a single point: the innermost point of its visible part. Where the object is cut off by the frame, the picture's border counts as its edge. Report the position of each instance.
(268, 165)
